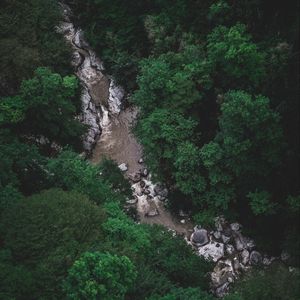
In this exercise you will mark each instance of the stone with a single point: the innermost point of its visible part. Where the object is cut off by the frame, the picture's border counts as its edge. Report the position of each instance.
(284, 256)
(235, 226)
(136, 177)
(212, 251)
(217, 235)
(200, 237)
(222, 290)
(236, 264)
(255, 258)
(222, 272)
(132, 201)
(140, 161)
(146, 192)
(266, 261)
(123, 167)
(137, 189)
(182, 221)
(229, 249)
(144, 172)
(250, 244)
(239, 242)
(225, 239)
(142, 184)
(152, 213)
(245, 256)
(220, 223)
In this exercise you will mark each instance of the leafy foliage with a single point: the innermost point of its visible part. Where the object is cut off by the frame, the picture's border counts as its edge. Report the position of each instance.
(100, 275)
(47, 232)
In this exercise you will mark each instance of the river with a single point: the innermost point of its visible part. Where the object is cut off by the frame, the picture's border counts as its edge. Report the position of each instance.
(110, 136)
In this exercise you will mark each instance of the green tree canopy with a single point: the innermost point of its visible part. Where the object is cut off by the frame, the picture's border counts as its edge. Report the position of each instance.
(161, 133)
(237, 59)
(47, 232)
(99, 275)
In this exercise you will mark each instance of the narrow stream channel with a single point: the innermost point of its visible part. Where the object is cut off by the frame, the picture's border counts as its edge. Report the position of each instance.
(110, 136)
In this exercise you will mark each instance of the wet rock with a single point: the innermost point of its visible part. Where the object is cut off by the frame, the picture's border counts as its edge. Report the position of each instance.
(132, 201)
(212, 251)
(222, 272)
(222, 290)
(123, 167)
(235, 226)
(146, 192)
(220, 223)
(250, 244)
(137, 189)
(266, 261)
(239, 242)
(245, 256)
(225, 239)
(255, 258)
(142, 184)
(217, 235)
(144, 172)
(229, 249)
(236, 265)
(116, 95)
(200, 237)
(136, 177)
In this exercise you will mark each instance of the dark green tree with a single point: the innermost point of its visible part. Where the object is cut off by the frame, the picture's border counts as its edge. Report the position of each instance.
(47, 232)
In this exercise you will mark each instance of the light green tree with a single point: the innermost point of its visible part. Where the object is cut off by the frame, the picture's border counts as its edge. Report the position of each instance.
(99, 275)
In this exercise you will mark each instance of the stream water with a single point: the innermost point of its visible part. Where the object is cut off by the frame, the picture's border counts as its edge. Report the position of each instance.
(110, 136)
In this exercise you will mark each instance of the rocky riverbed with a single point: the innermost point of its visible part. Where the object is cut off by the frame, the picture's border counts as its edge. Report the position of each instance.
(110, 135)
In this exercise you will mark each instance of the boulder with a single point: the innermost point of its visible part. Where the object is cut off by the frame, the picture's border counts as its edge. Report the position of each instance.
(222, 290)
(132, 201)
(245, 256)
(140, 161)
(239, 241)
(217, 235)
(212, 251)
(229, 249)
(146, 192)
(142, 184)
(266, 261)
(136, 177)
(250, 244)
(144, 172)
(236, 265)
(200, 237)
(255, 258)
(225, 239)
(123, 167)
(235, 226)
(220, 223)
(182, 221)
(222, 272)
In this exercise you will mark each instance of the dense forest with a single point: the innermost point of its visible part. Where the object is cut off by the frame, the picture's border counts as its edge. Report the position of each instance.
(217, 87)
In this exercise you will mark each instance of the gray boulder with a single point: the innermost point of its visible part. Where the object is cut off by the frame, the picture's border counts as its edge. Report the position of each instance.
(200, 237)
(255, 258)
